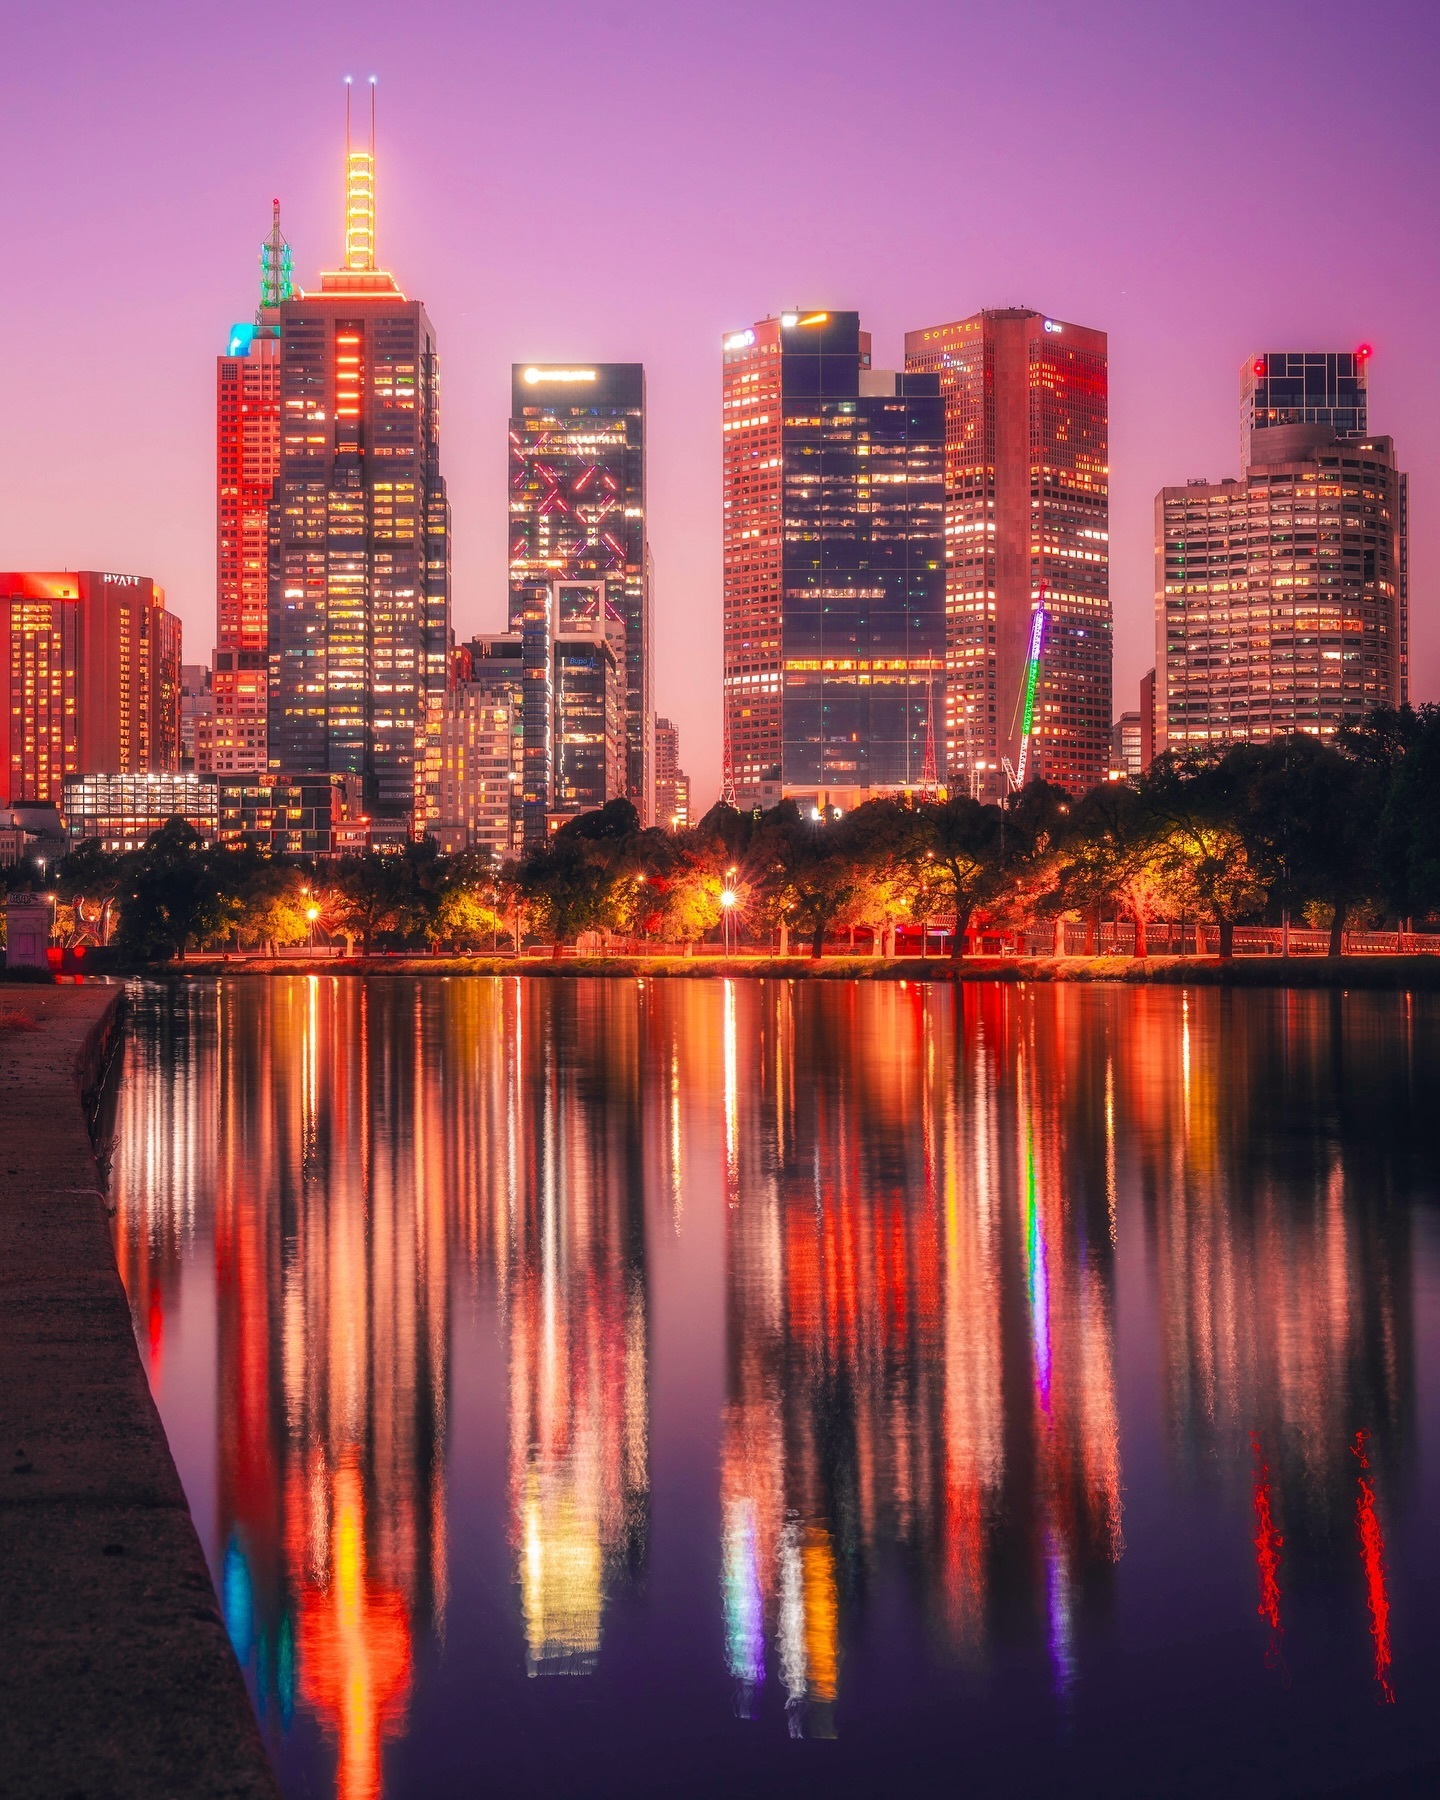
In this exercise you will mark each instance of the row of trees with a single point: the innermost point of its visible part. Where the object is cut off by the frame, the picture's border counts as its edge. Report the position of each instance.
(176, 894)
(1335, 834)
(1296, 828)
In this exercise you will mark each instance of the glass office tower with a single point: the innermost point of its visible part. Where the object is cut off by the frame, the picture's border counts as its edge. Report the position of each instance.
(577, 513)
(359, 588)
(834, 565)
(1282, 601)
(1027, 524)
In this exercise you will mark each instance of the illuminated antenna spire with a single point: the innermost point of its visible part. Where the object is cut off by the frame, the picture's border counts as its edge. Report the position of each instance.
(277, 281)
(358, 274)
(359, 193)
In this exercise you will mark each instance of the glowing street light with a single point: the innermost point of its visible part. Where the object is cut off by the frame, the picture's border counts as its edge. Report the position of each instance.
(729, 900)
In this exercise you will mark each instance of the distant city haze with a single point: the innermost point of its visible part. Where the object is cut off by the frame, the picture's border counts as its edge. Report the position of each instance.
(628, 182)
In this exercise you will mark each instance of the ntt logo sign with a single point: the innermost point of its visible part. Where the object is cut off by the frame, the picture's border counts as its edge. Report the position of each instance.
(1054, 325)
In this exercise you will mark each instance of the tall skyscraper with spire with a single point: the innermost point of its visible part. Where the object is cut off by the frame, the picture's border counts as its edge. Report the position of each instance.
(359, 533)
(247, 449)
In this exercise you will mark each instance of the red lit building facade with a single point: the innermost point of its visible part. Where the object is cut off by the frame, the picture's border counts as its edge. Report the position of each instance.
(1027, 486)
(247, 460)
(91, 665)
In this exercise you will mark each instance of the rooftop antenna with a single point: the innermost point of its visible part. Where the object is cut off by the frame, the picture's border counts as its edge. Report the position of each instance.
(277, 282)
(929, 777)
(359, 274)
(727, 776)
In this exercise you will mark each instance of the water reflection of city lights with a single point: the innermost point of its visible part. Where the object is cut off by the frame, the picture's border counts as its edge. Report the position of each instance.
(917, 1206)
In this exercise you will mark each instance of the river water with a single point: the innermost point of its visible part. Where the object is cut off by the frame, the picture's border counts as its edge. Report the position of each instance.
(699, 1387)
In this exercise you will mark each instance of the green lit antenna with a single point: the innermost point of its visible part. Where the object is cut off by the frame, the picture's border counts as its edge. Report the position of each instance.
(276, 280)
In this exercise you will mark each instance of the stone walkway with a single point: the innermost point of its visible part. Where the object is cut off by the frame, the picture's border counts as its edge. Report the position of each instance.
(116, 1676)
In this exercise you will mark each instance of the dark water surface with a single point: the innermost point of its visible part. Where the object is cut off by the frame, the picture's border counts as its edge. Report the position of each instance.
(618, 1388)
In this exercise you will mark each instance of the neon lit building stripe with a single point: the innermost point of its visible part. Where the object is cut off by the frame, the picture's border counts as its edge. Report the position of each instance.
(1032, 676)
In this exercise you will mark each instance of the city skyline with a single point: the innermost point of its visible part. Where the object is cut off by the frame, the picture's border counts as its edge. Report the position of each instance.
(106, 464)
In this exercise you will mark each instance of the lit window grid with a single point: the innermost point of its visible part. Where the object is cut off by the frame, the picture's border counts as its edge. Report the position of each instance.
(1268, 622)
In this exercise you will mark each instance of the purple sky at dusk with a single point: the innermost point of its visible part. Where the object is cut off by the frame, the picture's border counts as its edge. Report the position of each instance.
(629, 181)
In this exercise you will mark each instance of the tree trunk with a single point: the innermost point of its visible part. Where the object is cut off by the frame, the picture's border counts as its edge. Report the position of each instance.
(784, 940)
(1227, 938)
(877, 935)
(817, 944)
(962, 927)
(1142, 935)
(557, 950)
(1337, 928)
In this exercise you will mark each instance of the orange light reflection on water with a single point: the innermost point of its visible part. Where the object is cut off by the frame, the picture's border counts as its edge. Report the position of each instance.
(919, 1196)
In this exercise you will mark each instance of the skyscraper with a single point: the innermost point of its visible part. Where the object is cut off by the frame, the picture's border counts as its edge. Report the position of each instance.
(1027, 516)
(672, 784)
(359, 613)
(1303, 387)
(1281, 600)
(577, 513)
(247, 455)
(91, 671)
(834, 565)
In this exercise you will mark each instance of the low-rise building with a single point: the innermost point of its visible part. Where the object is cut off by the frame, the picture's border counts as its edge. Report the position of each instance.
(285, 815)
(1125, 756)
(672, 784)
(535, 724)
(121, 811)
(31, 832)
(482, 749)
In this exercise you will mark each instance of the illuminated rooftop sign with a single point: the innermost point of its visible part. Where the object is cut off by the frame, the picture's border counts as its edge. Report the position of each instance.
(1054, 325)
(739, 340)
(534, 375)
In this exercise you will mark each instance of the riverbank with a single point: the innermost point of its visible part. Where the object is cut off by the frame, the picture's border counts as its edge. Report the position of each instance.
(1188, 971)
(116, 1676)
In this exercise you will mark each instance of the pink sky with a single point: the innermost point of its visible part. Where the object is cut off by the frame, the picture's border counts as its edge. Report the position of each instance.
(628, 180)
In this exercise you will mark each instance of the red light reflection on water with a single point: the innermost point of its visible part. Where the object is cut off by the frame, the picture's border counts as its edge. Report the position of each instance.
(1372, 1554)
(1268, 1544)
(155, 1331)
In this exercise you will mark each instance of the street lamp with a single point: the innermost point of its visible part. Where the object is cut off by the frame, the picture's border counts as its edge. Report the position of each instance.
(729, 900)
(312, 913)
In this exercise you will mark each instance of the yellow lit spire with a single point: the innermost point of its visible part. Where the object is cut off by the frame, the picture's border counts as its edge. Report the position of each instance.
(360, 275)
(359, 192)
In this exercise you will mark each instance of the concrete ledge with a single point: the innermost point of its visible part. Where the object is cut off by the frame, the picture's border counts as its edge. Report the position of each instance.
(116, 1676)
